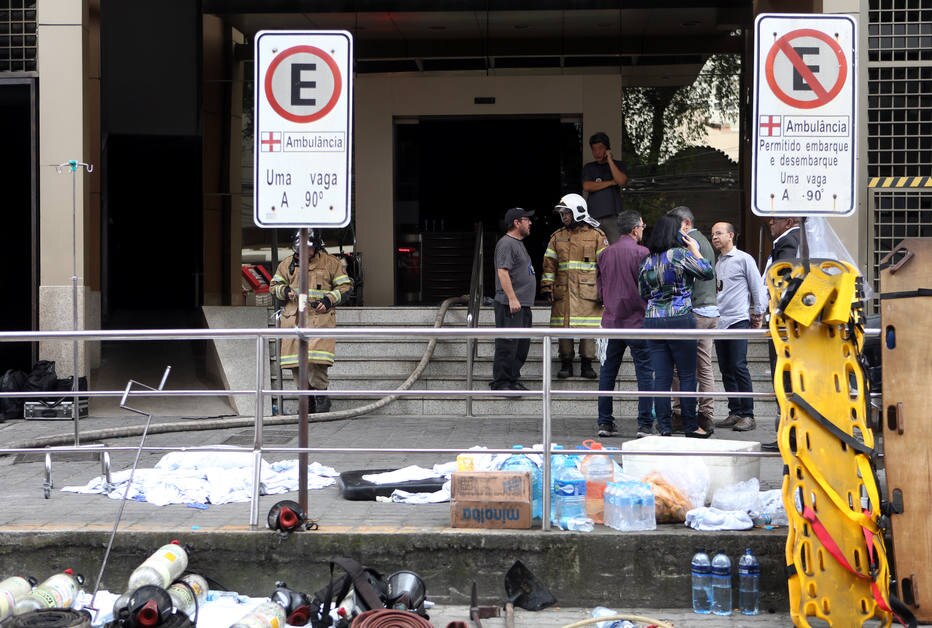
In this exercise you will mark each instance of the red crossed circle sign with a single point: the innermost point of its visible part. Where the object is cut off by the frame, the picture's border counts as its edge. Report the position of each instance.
(295, 116)
(823, 93)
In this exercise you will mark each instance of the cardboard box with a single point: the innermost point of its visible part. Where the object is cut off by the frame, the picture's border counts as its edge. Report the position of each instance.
(491, 499)
(723, 470)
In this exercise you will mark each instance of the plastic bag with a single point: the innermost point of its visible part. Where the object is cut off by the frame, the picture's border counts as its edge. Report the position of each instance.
(743, 496)
(770, 510)
(601, 349)
(690, 475)
(670, 503)
(714, 519)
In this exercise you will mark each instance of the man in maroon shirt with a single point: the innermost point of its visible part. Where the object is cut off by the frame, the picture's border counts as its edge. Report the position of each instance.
(617, 281)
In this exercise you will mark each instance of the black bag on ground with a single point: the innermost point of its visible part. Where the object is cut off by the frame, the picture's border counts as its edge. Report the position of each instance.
(42, 378)
(64, 386)
(10, 407)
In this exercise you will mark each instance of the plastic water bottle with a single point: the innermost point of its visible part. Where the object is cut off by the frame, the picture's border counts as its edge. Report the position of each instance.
(520, 462)
(11, 590)
(701, 569)
(748, 584)
(266, 615)
(578, 524)
(601, 611)
(622, 505)
(569, 494)
(610, 500)
(647, 518)
(188, 594)
(58, 591)
(721, 584)
(160, 569)
(599, 471)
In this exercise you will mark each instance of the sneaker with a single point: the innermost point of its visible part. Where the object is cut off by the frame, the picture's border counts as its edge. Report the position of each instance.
(728, 421)
(608, 429)
(706, 422)
(774, 446)
(517, 386)
(745, 424)
(644, 432)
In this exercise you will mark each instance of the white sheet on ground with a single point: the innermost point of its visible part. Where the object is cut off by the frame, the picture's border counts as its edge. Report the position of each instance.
(206, 478)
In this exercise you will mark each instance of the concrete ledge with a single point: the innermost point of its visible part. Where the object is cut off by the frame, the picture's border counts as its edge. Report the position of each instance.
(649, 569)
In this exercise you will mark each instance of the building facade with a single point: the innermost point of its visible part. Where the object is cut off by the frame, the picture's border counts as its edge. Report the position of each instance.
(458, 114)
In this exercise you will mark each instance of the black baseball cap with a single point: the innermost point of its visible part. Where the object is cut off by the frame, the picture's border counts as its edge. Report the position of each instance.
(516, 213)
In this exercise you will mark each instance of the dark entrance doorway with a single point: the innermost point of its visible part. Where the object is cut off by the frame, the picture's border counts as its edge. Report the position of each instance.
(18, 284)
(453, 173)
(153, 231)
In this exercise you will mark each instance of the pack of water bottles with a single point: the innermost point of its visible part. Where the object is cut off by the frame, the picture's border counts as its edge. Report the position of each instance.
(712, 583)
(629, 506)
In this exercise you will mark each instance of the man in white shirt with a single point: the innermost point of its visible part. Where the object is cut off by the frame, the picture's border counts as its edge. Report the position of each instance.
(742, 302)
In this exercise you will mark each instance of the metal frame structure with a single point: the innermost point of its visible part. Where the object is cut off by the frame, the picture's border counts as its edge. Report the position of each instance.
(262, 336)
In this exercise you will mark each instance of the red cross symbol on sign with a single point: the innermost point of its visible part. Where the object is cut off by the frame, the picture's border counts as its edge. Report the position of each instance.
(271, 142)
(771, 124)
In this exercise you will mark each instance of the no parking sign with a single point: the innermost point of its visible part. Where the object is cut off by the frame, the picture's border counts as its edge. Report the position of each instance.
(805, 116)
(303, 137)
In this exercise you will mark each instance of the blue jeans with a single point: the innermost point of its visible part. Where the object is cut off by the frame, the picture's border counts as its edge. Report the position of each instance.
(733, 363)
(510, 353)
(642, 370)
(664, 355)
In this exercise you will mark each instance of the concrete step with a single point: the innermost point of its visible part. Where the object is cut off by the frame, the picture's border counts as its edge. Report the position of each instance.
(413, 348)
(495, 405)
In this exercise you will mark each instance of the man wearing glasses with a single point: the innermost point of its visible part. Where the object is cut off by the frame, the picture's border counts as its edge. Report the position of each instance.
(617, 282)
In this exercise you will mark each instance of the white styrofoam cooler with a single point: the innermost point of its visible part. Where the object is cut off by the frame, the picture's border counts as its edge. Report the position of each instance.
(723, 470)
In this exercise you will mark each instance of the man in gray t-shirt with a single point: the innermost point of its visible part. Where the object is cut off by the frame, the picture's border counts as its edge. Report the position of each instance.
(515, 288)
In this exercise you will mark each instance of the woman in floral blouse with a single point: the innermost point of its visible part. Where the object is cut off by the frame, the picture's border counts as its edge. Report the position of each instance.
(666, 281)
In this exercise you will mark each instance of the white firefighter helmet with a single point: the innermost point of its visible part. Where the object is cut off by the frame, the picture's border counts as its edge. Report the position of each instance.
(576, 204)
(313, 239)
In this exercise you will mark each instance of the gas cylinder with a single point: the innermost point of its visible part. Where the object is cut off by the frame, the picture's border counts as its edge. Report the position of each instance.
(266, 615)
(161, 568)
(189, 593)
(11, 590)
(58, 591)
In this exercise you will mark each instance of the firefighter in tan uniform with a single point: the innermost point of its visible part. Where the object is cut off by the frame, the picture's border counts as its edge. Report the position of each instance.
(569, 283)
(327, 282)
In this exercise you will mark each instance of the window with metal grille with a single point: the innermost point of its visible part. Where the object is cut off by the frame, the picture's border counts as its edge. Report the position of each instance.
(900, 30)
(18, 36)
(899, 120)
(899, 214)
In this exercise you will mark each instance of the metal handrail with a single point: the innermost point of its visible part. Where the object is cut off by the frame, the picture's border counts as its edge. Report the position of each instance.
(472, 313)
(261, 335)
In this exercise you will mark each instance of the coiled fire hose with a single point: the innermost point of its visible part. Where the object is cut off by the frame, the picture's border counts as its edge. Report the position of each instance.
(389, 618)
(227, 423)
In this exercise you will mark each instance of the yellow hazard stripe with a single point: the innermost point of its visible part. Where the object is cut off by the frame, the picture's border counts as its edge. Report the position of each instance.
(550, 253)
(548, 277)
(900, 182)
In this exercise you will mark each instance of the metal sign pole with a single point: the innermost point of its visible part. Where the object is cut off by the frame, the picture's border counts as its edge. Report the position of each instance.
(72, 166)
(302, 369)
